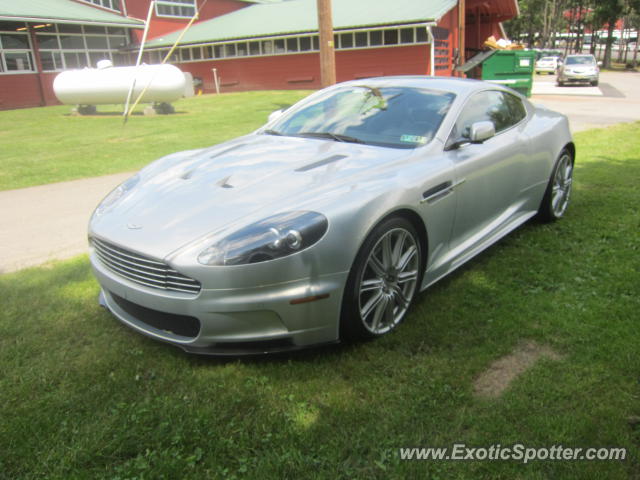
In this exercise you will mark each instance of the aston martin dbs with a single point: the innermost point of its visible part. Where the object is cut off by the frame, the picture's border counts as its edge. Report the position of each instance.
(327, 222)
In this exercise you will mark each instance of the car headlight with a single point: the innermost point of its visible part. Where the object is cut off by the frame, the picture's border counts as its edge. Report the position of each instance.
(274, 237)
(116, 194)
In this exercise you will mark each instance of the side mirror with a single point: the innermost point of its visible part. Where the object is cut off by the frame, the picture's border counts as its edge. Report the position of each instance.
(481, 131)
(274, 115)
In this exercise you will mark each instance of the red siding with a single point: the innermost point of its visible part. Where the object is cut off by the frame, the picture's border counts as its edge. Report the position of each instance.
(22, 90)
(18, 91)
(410, 60)
(303, 70)
(161, 25)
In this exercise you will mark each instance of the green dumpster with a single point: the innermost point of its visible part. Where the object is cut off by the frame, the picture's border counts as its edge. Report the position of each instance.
(512, 68)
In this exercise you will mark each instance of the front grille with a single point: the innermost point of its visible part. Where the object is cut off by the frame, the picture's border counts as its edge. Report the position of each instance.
(182, 325)
(143, 270)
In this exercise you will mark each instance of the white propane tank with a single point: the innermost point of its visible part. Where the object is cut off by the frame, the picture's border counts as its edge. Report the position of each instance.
(110, 85)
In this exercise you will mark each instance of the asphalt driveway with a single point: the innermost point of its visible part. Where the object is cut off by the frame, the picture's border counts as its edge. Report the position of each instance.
(615, 100)
(32, 235)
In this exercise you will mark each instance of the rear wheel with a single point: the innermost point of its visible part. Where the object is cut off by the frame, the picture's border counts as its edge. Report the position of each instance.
(556, 198)
(383, 281)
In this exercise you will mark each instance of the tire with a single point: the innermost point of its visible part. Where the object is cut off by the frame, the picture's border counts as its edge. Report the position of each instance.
(558, 193)
(594, 84)
(560, 83)
(384, 280)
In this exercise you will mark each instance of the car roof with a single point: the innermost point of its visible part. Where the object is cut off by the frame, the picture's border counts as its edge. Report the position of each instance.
(459, 86)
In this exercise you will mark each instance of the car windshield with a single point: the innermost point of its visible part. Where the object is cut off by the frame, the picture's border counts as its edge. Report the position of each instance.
(587, 60)
(399, 117)
(547, 59)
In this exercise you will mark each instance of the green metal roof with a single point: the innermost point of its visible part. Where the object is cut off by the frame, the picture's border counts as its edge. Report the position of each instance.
(298, 16)
(61, 11)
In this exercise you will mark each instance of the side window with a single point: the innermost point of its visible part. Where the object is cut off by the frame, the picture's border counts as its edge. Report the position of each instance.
(518, 112)
(503, 109)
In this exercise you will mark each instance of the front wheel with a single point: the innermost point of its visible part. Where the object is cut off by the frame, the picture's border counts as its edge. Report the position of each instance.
(383, 281)
(556, 197)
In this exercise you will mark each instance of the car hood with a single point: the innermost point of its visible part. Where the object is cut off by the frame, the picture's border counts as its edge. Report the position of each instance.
(580, 68)
(185, 196)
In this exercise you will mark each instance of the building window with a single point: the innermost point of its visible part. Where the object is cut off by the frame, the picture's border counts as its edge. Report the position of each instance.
(421, 35)
(242, 49)
(292, 45)
(305, 44)
(254, 48)
(230, 50)
(391, 37)
(110, 4)
(407, 35)
(15, 48)
(362, 39)
(375, 38)
(358, 39)
(76, 46)
(176, 8)
(346, 40)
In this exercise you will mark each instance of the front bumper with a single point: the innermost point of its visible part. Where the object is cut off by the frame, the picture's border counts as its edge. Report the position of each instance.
(577, 77)
(227, 321)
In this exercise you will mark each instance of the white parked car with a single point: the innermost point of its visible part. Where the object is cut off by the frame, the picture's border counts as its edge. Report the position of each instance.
(579, 68)
(547, 65)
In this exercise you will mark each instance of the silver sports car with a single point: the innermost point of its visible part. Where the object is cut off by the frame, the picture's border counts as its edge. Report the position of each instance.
(326, 223)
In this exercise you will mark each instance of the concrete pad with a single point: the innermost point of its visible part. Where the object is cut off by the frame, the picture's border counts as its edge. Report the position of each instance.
(49, 221)
(551, 88)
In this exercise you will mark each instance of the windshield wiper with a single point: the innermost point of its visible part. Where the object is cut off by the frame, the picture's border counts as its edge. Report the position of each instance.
(272, 132)
(338, 137)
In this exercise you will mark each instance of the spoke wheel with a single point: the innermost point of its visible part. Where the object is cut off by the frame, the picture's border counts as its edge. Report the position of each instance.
(556, 198)
(384, 280)
(561, 190)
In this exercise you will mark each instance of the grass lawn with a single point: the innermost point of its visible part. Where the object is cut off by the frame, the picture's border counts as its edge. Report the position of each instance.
(45, 145)
(83, 397)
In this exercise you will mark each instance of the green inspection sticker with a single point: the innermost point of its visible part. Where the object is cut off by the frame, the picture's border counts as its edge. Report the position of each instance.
(413, 139)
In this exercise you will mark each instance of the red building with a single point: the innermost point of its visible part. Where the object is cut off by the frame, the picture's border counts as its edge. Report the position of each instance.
(252, 44)
(275, 45)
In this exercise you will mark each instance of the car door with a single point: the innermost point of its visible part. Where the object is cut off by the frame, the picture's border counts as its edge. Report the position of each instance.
(490, 175)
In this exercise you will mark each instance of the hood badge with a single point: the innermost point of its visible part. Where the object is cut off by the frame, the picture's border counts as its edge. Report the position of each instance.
(134, 226)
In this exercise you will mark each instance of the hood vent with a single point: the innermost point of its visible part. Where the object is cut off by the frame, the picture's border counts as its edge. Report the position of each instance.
(224, 183)
(187, 174)
(320, 163)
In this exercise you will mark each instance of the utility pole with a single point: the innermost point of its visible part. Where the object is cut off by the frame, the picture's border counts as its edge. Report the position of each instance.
(327, 50)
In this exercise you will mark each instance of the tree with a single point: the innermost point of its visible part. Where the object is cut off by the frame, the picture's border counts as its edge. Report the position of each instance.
(608, 12)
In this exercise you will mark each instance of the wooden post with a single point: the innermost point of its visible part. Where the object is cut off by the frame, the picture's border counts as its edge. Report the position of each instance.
(461, 32)
(35, 44)
(327, 50)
